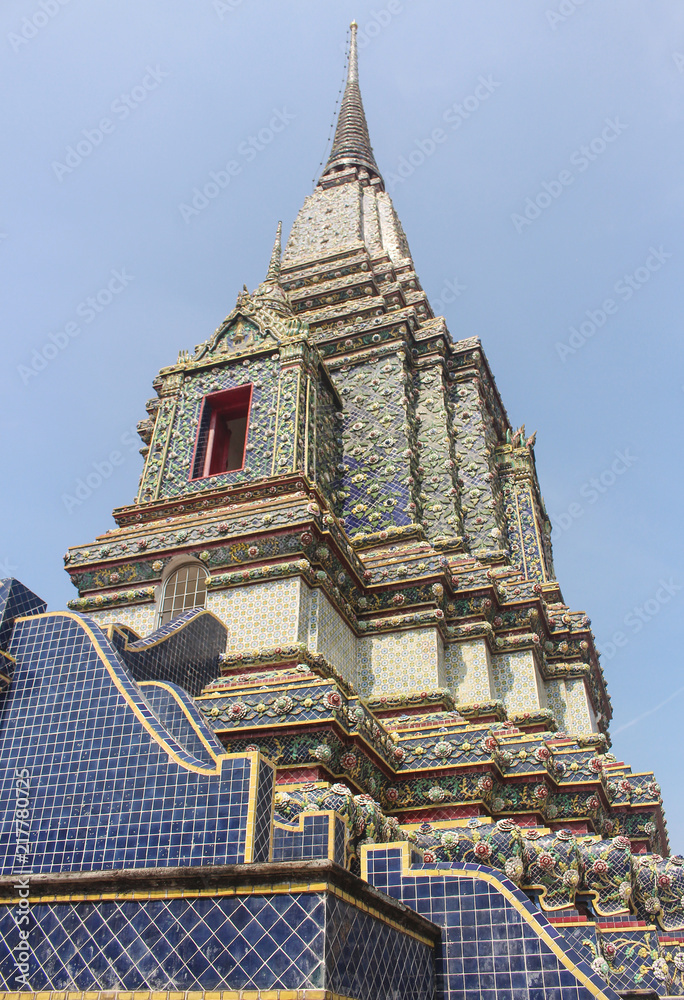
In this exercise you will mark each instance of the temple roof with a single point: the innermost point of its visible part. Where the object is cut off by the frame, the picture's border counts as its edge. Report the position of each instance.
(351, 146)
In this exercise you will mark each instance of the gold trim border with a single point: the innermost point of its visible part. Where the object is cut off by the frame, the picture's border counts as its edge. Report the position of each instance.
(277, 889)
(491, 879)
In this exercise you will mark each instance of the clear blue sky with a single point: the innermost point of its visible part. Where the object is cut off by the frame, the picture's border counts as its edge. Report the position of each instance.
(183, 85)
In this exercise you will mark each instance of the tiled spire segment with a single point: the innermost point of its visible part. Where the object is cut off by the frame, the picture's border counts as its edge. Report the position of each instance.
(274, 266)
(351, 146)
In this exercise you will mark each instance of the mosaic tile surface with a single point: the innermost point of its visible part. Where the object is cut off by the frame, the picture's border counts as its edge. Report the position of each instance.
(468, 671)
(253, 942)
(515, 681)
(110, 786)
(333, 637)
(577, 715)
(178, 714)
(401, 661)
(496, 945)
(315, 835)
(142, 618)
(184, 652)
(16, 600)
(377, 443)
(263, 614)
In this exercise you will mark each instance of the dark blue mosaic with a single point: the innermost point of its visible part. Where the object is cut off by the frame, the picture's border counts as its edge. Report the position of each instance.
(367, 958)
(309, 838)
(175, 708)
(16, 600)
(110, 786)
(295, 942)
(377, 440)
(246, 942)
(185, 651)
(489, 948)
(263, 818)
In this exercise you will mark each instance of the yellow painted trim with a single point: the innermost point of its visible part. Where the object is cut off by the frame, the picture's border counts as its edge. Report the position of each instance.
(174, 694)
(287, 888)
(122, 691)
(251, 811)
(571, 923)
(176, 631)
(292, 681)
(298, 826)
(491, 879)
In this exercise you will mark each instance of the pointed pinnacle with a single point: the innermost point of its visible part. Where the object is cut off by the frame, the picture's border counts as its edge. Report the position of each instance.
(351, 146)
(274, 267)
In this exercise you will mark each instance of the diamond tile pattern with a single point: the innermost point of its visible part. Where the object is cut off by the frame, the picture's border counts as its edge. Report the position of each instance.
(289, 942)
(366, 958)
(254, 942)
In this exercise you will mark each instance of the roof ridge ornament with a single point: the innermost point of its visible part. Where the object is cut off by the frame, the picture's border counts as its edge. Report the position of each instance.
(273, 273)
(351, 145)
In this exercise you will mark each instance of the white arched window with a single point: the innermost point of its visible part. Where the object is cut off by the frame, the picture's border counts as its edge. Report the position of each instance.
(184, 589)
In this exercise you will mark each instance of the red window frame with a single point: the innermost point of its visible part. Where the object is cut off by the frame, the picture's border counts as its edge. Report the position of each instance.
(212, 441)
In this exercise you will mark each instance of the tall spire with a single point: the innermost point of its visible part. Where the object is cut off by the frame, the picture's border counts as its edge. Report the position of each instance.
(274, 267)
(351, 146)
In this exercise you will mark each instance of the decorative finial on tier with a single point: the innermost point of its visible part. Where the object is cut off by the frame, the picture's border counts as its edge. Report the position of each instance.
(273, 272)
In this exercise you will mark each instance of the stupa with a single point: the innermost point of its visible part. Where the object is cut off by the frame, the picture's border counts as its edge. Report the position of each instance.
(319, 723)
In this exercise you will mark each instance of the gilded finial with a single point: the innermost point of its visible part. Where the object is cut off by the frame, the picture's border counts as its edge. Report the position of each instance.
(351, 144)
(274, 267)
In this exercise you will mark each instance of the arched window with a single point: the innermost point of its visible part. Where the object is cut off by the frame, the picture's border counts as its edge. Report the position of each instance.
(184, 589)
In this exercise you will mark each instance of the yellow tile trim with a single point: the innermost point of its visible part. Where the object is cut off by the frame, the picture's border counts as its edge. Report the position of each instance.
(491, 879)
(285, 888)
(193, 725)
(251, 812)
(572, 923)
(295, 785)
(298, 826)
(176, 631)
(127, 698)
(291, 680)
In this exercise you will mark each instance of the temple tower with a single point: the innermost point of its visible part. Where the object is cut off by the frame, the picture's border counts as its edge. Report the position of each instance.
(332, 469)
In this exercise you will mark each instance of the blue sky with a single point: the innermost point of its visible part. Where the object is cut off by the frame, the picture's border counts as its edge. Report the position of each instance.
(547, 221)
